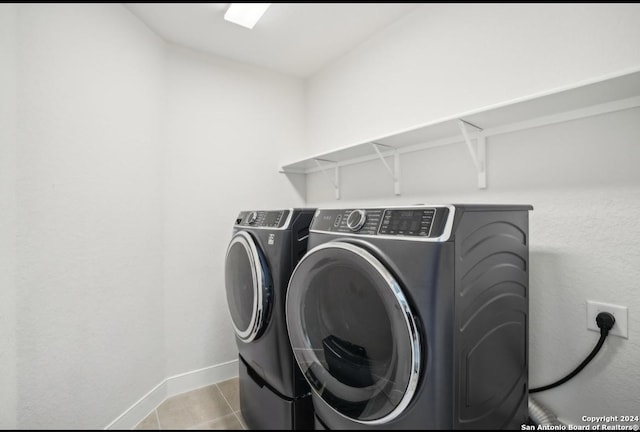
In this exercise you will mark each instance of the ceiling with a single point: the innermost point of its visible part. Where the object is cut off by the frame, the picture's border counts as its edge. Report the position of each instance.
(294, 38)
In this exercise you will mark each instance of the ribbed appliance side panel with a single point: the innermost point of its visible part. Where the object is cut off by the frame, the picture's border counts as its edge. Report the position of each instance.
(491, 319)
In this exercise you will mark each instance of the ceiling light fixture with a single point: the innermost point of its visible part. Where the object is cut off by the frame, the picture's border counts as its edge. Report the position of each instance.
(246, 14)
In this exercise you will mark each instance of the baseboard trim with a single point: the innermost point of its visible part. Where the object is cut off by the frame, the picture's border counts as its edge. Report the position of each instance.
(172, 386)
(202, 377)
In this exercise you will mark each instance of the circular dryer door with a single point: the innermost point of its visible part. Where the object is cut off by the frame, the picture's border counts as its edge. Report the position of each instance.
(353, 333)
(248, 285)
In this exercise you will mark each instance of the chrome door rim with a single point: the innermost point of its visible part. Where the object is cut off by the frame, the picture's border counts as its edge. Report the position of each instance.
(257, 274)
(412, 329)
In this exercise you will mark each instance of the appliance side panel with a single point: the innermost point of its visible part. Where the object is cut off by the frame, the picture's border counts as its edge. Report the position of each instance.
(300, 234)
(491, 319)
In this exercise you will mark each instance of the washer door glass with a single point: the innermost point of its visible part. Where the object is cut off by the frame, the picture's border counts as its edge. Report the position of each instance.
(248, 286)
(353, 333)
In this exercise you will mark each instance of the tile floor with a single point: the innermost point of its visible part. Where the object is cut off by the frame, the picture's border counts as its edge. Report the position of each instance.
(213, 407)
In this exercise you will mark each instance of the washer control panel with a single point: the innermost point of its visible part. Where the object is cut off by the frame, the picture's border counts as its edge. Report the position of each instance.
(262, 219)
(407, 222)
(413, 222)
(358, 221)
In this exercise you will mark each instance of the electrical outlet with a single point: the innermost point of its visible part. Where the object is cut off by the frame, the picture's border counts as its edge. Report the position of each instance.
(620, 313)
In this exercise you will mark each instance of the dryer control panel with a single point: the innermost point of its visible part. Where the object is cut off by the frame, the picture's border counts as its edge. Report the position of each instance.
(263, 219)
(407, 222)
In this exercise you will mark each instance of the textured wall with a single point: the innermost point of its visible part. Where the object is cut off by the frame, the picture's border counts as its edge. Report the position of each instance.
(581, 176)
(134, 159)
(227, 126)
(89, 196)
(8, 16)
(582, 179)
(445, 59)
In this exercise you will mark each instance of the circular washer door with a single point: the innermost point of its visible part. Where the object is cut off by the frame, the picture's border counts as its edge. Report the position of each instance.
(248, 285)
(353, 333)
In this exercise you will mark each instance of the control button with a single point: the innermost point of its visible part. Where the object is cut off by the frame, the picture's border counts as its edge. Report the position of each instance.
(356, 220)
(338, 220)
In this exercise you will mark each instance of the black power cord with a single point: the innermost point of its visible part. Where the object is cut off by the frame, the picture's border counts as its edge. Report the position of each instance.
(605, 322)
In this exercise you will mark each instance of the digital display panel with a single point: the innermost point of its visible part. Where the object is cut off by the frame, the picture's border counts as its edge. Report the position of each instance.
(407, 222)
(272, 218)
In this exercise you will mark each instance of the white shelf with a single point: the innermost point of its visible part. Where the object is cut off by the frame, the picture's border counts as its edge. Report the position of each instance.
(583, 100)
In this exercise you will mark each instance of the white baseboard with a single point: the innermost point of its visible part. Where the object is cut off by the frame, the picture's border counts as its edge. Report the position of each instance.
(170, 387)
(141, 409)
(202, 377)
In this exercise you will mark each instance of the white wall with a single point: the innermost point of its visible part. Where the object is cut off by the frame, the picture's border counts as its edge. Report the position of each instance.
(89, 232)
(582, 179)
(445, 59)
(227, 126)
(581, 176)
(134, 158)
(8, 16)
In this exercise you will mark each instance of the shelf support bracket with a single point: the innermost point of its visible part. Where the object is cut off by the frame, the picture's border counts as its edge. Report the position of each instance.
(395, 171)
(335, 181)
(478, 151)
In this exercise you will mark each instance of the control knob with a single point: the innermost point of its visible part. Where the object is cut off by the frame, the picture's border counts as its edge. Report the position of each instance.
(356, 220)
(253, 216)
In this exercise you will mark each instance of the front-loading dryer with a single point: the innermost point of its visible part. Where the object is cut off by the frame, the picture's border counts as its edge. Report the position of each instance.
(414, 317)
(264, 249)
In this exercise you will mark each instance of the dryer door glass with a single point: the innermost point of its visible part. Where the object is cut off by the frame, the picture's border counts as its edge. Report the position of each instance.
(248, 286)
(353, 333)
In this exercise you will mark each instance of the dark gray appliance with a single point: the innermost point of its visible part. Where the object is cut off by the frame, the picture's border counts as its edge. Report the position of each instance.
(414, 317)
(264, 249)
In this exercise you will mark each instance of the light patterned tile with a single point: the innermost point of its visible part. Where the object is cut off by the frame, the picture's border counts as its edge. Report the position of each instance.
(176, 417)
(149, 423)
(228, 422)
(193, 408)
(230, 390)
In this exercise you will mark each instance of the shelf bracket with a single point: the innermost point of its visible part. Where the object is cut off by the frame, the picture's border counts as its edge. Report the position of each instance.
(395, 172)
(335, 181)
(478, 152)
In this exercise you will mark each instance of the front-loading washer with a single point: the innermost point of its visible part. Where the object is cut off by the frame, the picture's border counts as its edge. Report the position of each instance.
(414, 317)
(264, 249)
